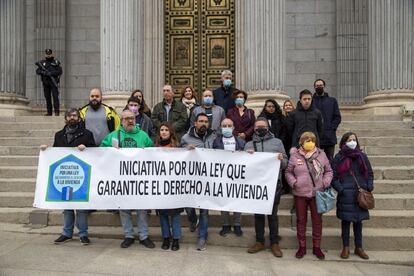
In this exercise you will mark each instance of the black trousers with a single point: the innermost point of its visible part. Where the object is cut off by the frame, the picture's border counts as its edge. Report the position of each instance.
(273, 221)
(51, 91)
(329, 151)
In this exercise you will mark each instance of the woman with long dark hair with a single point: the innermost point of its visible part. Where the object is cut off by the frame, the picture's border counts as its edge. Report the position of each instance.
(351, 166)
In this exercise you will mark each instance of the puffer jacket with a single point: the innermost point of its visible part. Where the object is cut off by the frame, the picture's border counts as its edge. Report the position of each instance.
(298, 177)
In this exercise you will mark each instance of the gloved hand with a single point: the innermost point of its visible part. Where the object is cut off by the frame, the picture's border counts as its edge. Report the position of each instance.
(47, 73)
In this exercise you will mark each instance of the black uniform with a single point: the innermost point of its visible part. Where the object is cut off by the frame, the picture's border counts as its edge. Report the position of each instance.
(53, 70)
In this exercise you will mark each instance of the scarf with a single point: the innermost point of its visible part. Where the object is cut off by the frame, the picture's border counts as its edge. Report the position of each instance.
(347, 156)
(188, 104)
(164, 143)
(70, 131)
(315, 166)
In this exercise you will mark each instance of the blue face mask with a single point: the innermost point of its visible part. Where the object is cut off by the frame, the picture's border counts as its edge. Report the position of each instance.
(227, 131)
(227, 83)
(239, 101)
(207, 100)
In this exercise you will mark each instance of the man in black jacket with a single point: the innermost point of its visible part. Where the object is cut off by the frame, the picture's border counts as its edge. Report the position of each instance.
(50, 71)
(223, 96)
(305, 118)
(331, 117)
(73, 135)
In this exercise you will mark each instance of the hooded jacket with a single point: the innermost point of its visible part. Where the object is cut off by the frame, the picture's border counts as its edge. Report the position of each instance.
(137, 138)
(298, 177)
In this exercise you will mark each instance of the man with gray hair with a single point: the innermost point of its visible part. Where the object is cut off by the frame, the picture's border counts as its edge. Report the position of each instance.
(223, 94)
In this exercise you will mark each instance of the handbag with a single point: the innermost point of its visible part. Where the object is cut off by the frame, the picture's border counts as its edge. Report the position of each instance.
(325, 200)
(365, 199)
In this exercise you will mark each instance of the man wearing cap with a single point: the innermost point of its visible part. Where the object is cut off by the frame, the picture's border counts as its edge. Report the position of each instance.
(50, 71)
(73, 135)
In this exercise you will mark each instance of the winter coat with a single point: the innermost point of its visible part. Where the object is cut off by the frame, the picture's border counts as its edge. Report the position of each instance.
(218, 143)
(301, 120)
(329, 108)
(269, 144)
(137, 138)
(54, 68)
(177, 117)
(242, 124)
(224, 97)
(217, 114)
(346, 205)
(145, 124)
(277, 126)
(298, 177)
(190, 138)
(81, 136)
(112, 119)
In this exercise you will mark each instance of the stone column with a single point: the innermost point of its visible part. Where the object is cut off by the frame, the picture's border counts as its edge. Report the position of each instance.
(12, 57)
(391, 53)
(260, 50)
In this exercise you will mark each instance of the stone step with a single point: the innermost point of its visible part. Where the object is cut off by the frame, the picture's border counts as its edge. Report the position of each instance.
(19, 160)
(347, 117)
(394, 173)
(376, 132)
(381, 141)
(385, 125)
(378, 218)
(28, 133)
(27, 141)
(25, 119)
(382, 201)
(20, 150)
(18, 172)
(374, 238)
(38, 125)
(17, 184)
(392, 160)
(394, 186)
(388, 150)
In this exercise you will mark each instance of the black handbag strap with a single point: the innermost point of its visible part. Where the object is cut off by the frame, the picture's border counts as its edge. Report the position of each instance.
(119, 138)
(310, 174)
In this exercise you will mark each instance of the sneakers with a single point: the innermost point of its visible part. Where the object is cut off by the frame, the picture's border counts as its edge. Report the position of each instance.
(147, 243)
(345, 252)
(201, 245)
(258, 246)
(237, 231)
(275, 248)
(85, 240)
(127, 242)
(62, 239)
(301, 252)
(193, 226)
(175, 245)
(226, 230)
(361, 253)
(318, 253)
(166, 244)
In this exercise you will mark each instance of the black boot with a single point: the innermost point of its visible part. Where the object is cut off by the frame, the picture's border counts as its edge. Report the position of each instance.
(166, 244)
(175, 245)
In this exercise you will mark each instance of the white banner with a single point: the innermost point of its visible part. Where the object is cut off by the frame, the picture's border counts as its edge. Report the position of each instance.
(156, 178)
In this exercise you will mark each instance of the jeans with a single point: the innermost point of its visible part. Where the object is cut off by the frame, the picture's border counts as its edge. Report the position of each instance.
(175, 225)
(301, 204)
(226, 218)
(69, 222)
(357, 233)
(142, 221)
(191, 214)
(203, 224)
(273, 221)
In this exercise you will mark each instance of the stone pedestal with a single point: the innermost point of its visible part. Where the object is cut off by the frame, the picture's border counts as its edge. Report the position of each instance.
(12, 58)
(391, 55)
(260, 50)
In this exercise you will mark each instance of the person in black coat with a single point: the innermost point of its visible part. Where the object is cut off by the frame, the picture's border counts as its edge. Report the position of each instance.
(223, 95)
(273, 114)
(350, 165)
(305, 118)
(329, 108)
(73, 135)
(227, 141)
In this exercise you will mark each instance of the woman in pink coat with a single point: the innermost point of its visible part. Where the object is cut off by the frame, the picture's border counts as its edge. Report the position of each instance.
(308, 171)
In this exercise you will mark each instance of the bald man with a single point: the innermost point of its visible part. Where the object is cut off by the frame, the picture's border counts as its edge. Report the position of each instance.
(98, 117)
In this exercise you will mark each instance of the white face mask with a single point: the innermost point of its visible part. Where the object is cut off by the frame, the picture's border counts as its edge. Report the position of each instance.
(351, 144)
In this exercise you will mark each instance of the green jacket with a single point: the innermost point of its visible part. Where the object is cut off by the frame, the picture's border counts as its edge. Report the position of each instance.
(178, 117)
(137, 138)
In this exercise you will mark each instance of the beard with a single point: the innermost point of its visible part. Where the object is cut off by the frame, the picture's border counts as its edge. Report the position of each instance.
(95, 104)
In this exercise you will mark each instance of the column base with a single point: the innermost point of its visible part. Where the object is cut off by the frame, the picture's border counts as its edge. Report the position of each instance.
(256, 99)
(117, 101)
(391, 102)
(13, 105)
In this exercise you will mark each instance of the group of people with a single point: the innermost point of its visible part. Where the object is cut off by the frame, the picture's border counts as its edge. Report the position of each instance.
(302, 138)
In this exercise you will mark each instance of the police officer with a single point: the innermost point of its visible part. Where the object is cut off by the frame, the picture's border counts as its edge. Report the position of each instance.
(50, 71)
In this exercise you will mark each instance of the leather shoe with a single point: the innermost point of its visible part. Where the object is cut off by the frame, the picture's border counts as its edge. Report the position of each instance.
(301, 252)
(318, 253)
(361, 253)
(175, 245)
(345, 252)
(258, 246)
(275, 248)
(166, 244)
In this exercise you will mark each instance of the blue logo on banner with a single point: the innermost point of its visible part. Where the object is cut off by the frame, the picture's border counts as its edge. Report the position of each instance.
(69, 180)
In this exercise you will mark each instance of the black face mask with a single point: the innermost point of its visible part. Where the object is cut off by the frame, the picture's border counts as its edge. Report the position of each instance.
(261, 132)
(95, 104)
(201, 131)
(319, 90)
